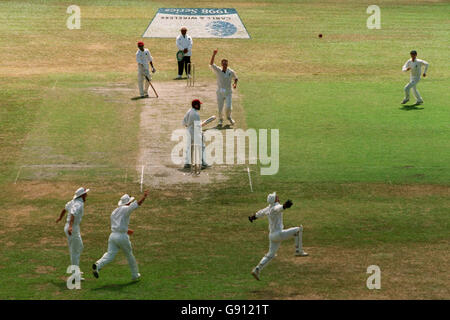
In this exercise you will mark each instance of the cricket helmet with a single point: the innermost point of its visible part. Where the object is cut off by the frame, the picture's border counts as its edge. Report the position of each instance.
(271, 198)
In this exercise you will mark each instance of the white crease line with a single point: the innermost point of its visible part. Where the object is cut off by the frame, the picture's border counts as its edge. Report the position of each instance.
(18, 173)
(142, 177)
(250, 179)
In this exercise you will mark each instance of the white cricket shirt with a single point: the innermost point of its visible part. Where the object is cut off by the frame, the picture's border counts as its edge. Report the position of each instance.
(189, 121)
(416, 67)
(223, 78)
(143, 57)
(185, 43)
(120, 217)
(274, 212)
(75, 208)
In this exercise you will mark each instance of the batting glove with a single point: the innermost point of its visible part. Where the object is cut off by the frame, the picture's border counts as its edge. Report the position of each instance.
(251, 218)
(153, 70)
(287, 204)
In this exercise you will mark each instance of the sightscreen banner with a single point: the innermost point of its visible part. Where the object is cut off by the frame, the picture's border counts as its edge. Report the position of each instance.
(200, 22)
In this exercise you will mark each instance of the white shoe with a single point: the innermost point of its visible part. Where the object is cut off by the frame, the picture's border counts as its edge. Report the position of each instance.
(220, 123)
(419, 102)
(178, 76)
(405, 101)
(188, 76)
(255, 273)
(136, 277)
(301, 253)
(231, 121)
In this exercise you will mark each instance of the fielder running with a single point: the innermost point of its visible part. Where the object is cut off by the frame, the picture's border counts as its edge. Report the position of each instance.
(119, 237)
(75, 211)
(274, 211)
(194, 133)
(224, 76)
(415, 65)
(143, 58)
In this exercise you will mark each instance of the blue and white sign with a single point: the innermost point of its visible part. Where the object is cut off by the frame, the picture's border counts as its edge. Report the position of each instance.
(200, 22)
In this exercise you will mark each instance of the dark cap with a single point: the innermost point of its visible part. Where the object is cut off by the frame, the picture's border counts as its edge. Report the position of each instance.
(196, 102)
(413, 52)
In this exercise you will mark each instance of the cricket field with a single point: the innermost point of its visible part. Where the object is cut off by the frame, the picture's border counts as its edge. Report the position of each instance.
(369, 178)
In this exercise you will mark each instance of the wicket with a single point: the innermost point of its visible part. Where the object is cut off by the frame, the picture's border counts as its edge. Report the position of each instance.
(196, 159)
(190, 81)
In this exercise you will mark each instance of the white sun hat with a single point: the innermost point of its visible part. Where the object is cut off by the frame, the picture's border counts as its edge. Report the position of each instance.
(125, 200)
(80, 192)
(271, 198)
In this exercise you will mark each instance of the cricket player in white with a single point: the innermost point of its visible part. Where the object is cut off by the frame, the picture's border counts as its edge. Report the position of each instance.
(194, 133)
(224, 77)
(274, 211)
(119, 237)
(143, 58)
(75, 212)
(184, 43)
(415, 66)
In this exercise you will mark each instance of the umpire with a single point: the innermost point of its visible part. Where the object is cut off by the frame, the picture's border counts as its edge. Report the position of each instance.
(184, 44)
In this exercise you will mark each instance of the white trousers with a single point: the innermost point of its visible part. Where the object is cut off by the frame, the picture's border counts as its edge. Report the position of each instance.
(119, 241)
(75, 245)
(142, 81)
(224, 97)
(190, 146)
(275, 241)
(412, 85)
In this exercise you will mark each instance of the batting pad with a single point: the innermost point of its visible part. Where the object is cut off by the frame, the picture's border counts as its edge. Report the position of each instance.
(200, 22)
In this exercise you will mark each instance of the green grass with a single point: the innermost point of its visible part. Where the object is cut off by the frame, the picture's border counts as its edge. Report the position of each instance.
(369, 180)
(353, 131)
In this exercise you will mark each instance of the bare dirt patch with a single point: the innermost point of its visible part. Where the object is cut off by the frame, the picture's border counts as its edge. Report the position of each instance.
(40, 189)
(13, 218)
(340, 273)
(45, 269)
(405, 191)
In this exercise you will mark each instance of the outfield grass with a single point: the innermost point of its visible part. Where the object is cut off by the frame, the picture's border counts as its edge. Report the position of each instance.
(369, 180)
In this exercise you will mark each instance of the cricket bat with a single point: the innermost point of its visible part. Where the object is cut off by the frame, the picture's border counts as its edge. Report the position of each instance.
(209, 120)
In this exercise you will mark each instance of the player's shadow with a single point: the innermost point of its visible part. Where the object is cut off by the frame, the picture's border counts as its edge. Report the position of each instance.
(411, 107)
(227, 126)
(115, 287)
(142, 98)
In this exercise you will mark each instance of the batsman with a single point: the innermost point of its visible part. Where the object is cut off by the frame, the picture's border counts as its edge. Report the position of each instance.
(274, 211)
(143, 58)
(194, 135)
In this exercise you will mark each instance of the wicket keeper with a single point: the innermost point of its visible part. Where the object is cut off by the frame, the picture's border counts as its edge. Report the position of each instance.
(274, 211)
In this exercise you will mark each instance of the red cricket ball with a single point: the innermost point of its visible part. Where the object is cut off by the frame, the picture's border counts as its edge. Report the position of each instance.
(320, 35)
